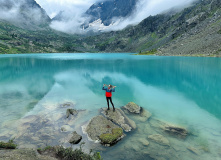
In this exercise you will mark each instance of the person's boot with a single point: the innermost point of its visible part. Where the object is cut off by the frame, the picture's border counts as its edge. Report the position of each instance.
(113, 109)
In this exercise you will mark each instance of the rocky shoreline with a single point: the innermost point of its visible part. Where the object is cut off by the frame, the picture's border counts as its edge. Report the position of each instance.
(117, 135)
(107, 129)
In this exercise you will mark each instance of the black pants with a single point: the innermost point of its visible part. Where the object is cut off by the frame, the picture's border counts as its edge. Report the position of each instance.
(109, 99)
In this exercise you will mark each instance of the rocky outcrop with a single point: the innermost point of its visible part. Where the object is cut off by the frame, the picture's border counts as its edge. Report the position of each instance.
(71, 112)
(159, 139)
(133, 108)
(138, 112)
(76, 138)
(119, 118)
(97, 126)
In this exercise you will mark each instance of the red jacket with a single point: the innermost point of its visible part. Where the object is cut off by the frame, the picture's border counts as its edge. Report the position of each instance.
(108, 91)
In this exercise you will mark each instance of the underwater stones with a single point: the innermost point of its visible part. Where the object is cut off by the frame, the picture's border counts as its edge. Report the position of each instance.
(133, 108)
(159, 139)
(120, 118)
(76, 138)
(67, 105)
(65, 128)
(143, 116)
(193, 150)
(98, 126)
(109, 139)
(175, 130)
(169, 128)
(71, 112)
(144, 141)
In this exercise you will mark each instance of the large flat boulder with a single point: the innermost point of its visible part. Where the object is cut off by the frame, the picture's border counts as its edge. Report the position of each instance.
(97, 126)
(133, 107)
(119, 118)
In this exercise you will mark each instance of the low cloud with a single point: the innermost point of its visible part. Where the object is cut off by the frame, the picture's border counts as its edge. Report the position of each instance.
(144, 9)
(22, 13)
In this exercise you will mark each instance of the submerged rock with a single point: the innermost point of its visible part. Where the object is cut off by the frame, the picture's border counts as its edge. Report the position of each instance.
(71, 112)
(97, 126)
(193, 150)
(159, 139)
(67, 105)
(76, 138)
(133, 108)
(144, 141)
(120, 118)
(175, 130)
(170, 128)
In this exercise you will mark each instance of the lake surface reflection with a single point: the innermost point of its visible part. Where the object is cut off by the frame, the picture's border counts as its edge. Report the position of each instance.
(180, 90)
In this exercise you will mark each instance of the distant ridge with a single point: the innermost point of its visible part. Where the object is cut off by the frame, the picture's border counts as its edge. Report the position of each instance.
(107, 10)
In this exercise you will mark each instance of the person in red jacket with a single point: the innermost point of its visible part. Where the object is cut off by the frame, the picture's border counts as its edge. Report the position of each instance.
(109, 91)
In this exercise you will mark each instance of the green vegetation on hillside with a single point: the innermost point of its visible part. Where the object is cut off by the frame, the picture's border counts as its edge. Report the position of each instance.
(192, 31)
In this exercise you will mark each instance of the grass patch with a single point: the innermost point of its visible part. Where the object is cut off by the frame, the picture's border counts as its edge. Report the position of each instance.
(219, 32)
(9, 145)
(151, 52)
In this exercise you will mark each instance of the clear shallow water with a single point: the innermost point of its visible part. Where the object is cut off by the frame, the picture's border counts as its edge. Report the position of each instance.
(180, 90)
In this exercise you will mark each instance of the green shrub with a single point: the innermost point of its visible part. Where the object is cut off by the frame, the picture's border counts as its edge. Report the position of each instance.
(9, 145)
(69, 154)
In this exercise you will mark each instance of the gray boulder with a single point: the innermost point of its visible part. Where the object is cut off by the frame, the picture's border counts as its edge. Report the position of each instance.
(133, 108)
(97, 126)
(119, 118)
(71, 112)
(136, 111)
(76, 138)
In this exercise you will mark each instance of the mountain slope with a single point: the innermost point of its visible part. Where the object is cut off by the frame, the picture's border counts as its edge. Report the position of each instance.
(193, 31)
(25, 13)
(18, 40)
(107, 10)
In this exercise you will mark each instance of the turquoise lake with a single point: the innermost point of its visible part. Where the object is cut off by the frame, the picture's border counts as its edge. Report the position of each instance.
(185, 91)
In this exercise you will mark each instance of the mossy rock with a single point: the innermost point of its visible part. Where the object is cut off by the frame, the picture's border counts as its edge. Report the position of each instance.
(112, 138)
